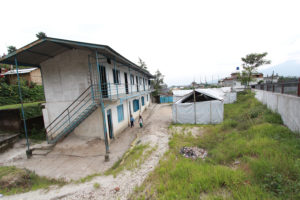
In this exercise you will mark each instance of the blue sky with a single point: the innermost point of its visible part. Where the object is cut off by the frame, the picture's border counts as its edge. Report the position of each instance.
(185, 40)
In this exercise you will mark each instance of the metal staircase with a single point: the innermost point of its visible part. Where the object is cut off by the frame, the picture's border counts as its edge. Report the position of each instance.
(71, 117)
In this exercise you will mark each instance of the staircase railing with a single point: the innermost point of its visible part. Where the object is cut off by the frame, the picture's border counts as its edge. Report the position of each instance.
(79, 105)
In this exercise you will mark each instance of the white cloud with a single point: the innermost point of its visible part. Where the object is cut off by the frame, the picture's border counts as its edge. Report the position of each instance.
(185, 40)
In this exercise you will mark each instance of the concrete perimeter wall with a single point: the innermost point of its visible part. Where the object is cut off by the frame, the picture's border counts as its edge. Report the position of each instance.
(287, 106)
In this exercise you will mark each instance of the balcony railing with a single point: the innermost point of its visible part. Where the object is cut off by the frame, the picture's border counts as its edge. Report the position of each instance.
(115, 91)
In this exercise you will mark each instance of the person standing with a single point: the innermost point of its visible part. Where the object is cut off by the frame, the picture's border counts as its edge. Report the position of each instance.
(141, 121)
(131, 121)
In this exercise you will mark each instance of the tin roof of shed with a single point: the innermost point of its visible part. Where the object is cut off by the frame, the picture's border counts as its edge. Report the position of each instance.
(20, 71)
(43, 49)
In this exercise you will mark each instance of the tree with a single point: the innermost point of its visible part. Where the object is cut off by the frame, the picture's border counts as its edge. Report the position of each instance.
(251, 62)
(243, 78)
(11, 49)
(157, 82)
(142, 64)
(41, 35)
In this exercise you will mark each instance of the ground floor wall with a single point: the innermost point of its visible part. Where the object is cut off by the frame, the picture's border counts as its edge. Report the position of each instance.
(118, 125)
(93, 126)
(287, 106)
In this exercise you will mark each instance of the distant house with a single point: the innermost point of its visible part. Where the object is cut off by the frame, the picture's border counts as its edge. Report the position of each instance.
(30, 74)
(90, 90)
(234, 82)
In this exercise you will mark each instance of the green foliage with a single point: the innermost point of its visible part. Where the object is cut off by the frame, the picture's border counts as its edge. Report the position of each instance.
(142, 64)
(250, 64)
(41, 35)
(9, 94)
(267, 154)
(157, 82)
(11, 49)
(96, 185)
(37, 134)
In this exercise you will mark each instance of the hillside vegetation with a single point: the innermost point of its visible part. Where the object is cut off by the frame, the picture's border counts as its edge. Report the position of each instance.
(9, 94)
(251, 155)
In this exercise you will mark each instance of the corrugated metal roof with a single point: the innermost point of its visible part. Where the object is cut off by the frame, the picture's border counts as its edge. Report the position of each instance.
(41, 50)
(21, 71)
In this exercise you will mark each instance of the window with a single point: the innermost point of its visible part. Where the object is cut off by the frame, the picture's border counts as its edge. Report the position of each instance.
(116, 75)
(137, 83)
(136, 105)
(131, 79)
(120, 113)
(144, 84)
(143, 101)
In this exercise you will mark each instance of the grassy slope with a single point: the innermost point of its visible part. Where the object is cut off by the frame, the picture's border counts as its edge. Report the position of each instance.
(14, 106)
(134, 159)
(267, 152)
(27, 181)
(31, 109)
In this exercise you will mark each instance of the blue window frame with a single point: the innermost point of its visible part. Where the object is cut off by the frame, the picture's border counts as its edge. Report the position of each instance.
(136, 105)
(120, 113)
(143, 101)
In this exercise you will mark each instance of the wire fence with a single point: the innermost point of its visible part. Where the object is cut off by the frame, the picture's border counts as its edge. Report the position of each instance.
(291, 88)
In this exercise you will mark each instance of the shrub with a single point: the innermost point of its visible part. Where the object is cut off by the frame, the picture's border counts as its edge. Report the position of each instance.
(9, 94)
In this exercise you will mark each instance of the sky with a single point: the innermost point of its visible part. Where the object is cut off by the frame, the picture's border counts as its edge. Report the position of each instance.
(186, 40)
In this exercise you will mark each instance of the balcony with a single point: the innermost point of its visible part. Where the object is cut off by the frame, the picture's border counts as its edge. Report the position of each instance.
(112, 91)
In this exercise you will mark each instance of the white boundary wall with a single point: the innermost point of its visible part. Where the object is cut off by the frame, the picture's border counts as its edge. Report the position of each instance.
(287, 106)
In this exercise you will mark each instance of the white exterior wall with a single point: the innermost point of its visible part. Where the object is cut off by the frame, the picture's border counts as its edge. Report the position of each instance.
(288, 106)
(118, 127)
(66, 76)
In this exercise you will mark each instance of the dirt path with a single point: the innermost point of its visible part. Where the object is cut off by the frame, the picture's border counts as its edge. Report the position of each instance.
(154, 132)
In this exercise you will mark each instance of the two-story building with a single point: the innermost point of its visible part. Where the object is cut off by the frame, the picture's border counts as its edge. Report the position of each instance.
(90, 90)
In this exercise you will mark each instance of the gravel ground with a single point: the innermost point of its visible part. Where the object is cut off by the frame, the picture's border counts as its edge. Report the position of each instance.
(154, 132)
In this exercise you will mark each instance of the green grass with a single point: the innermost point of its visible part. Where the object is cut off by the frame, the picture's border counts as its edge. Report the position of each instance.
(96, 185)
(132, 159)
(88, 178)
(31, 109)
(27, 181)
(15, 106)
(268, 154)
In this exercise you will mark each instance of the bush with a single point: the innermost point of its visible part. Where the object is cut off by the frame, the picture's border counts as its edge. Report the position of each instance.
(9, 94)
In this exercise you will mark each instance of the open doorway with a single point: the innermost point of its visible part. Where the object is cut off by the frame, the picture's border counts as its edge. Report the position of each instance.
(110, 124)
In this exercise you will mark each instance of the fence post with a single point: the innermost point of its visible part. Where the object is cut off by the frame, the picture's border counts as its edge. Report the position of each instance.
(299, 87)
(282, 88)
(273, 88)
